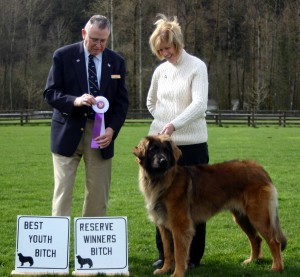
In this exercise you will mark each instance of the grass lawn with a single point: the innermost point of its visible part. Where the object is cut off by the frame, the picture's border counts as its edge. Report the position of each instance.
(26, 182)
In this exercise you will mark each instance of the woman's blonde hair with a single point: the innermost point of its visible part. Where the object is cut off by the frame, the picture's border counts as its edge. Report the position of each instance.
(166, 31)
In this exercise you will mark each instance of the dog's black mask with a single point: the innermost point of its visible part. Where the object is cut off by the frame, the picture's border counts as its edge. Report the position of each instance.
(159, 157)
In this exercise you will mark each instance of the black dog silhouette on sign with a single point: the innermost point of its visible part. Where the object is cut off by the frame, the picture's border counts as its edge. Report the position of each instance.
(83, 261)
(24, 259)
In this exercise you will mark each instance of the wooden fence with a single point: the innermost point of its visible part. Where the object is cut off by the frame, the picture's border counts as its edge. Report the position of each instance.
(219, 118)
(264, 118)
(25, 117)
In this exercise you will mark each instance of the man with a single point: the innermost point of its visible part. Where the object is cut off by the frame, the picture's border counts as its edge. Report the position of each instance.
(72, 95)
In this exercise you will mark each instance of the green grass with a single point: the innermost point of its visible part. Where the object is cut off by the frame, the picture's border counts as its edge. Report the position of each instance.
(27, 183)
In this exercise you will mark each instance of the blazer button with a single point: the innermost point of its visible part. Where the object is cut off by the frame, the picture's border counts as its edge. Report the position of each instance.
(85, 114)
(81, 129)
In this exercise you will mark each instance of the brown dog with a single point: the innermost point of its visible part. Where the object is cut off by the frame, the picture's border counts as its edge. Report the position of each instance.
(177, 197)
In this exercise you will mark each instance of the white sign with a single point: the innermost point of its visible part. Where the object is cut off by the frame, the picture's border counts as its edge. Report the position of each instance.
(101, 245)
(42, 244)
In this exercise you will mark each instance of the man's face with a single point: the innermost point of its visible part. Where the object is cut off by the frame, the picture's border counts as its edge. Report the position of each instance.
(95, 39)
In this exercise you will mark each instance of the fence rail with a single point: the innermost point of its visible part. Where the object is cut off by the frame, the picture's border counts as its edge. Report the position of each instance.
(279, 118)
(25, 117)
(219, 118)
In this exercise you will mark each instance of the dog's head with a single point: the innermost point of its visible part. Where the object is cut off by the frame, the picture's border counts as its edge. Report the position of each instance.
(157, 154)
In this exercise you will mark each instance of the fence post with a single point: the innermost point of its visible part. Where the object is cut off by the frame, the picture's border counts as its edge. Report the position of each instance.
(220, 119)
(21, 118)
(253, 119)
(279, 120)
(249, 120)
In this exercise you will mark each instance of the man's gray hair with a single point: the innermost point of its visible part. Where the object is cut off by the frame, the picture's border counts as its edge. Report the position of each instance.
(100, 21)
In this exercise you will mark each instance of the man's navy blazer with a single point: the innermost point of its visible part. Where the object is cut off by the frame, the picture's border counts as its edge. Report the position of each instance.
(67, 80)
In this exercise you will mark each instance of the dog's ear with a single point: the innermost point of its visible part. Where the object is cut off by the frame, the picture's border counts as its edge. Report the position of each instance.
(136, 152)
(140, 150)
(138, 160)
(176, 151)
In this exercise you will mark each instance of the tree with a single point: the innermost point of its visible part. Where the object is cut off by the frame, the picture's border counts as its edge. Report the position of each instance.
(251, 47)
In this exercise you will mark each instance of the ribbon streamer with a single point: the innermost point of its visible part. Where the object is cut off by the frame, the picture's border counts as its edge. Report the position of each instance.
(99, 125)
(97, 129)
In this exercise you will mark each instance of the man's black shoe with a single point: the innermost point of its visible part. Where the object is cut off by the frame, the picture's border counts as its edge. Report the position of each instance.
(158, 264)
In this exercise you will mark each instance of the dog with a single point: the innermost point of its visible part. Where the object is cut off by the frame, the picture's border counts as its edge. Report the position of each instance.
(178, 197)
(83, 261)
(24, 259)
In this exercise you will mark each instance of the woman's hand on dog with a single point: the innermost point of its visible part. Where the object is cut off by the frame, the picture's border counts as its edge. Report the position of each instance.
(168, 129)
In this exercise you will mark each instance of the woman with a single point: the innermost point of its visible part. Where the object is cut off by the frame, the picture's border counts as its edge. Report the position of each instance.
(177, 100)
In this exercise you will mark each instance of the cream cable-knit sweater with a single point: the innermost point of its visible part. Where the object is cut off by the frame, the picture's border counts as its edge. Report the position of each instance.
(178, 95)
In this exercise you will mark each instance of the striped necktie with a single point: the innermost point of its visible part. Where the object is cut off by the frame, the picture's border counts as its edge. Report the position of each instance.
(93, 81)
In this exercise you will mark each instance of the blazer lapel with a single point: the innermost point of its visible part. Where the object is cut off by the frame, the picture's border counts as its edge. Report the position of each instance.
(105, 72)
(80, 67)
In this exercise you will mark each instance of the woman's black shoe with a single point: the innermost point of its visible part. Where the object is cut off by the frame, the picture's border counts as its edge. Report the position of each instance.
(158, 264)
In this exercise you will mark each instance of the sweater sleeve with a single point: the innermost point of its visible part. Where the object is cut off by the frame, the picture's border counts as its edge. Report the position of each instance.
(199, 94)
(152, 94)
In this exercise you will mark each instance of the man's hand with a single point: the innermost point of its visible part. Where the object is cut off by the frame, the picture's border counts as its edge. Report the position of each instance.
(104, 140)
(85, 100)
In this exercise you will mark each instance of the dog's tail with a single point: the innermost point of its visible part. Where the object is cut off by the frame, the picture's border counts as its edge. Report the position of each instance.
(279, 235)
(277, 231)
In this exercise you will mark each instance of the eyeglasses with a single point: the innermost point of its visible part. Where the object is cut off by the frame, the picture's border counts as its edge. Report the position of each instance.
(97, 40)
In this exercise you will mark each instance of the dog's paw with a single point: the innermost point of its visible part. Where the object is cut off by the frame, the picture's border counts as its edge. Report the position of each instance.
(157, 272)
(177, 274)
(277, 266)
(247, 261)
(161, 271)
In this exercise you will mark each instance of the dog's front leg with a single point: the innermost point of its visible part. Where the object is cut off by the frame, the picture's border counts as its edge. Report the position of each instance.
(168, 251)
(182, 237)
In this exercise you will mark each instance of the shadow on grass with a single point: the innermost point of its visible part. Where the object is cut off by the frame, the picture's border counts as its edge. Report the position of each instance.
(142, 267)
